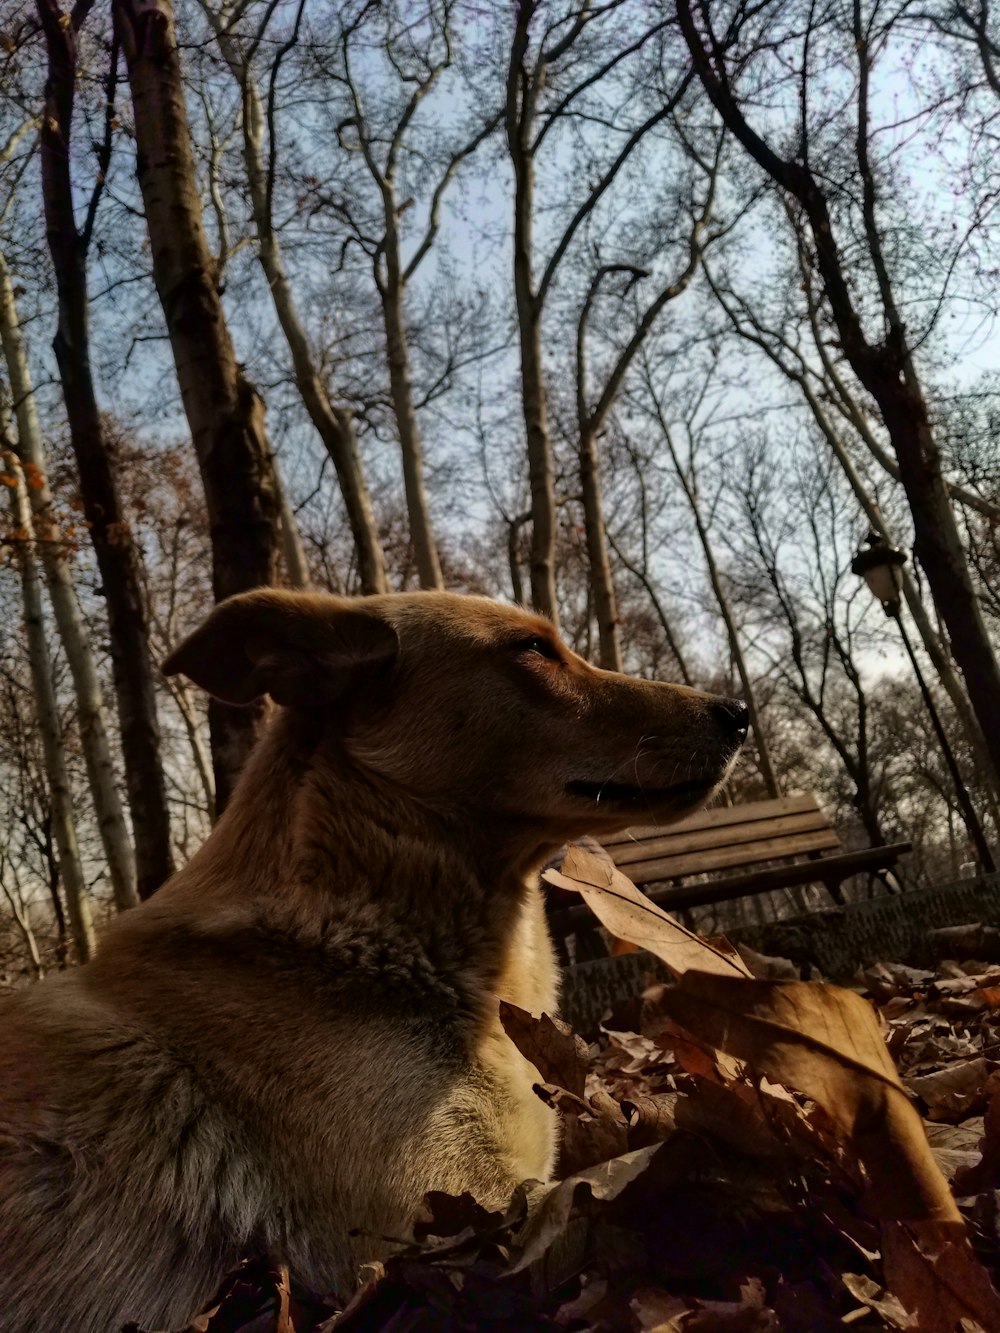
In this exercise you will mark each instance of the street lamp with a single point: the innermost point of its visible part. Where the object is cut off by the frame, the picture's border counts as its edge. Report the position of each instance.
(881, 567)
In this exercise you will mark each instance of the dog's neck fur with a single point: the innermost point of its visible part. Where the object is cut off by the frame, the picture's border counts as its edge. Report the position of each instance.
(450, 884)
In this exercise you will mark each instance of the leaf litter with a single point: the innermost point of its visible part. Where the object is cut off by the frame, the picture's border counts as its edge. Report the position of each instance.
(749, 1154)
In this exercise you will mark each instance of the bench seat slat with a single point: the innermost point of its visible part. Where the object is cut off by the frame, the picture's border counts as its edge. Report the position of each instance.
(720, 858)
(681, 840)
(719, 816)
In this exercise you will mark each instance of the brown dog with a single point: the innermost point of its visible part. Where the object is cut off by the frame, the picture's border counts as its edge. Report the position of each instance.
(298, 1036)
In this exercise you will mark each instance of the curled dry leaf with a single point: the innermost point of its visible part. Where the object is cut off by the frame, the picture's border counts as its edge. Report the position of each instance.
(559, 1055)
(824, 1041)
(629, 915)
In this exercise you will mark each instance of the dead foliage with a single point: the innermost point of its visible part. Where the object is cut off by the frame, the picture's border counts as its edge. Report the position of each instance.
(757, 1156)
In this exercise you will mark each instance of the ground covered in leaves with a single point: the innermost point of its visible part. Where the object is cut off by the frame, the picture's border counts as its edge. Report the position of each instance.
(739, 1154)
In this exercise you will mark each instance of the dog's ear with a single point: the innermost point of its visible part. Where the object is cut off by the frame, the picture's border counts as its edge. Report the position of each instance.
(300, 648)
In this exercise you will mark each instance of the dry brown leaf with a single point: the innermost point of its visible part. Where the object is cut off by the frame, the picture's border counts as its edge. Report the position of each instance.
(553, 1207)
(824, 1041)
(954, 1092)
(283, 1288)
(870, 1294)
(650, 1119)
(713, 1110)
(629, 915)
(593, 1129)
(956, 1148)
(659, 1312)
(938, 1278)
(985, 1173)
(559, 1055)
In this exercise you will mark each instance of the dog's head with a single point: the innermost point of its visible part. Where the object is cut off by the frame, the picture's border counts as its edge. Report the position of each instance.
(463, 702)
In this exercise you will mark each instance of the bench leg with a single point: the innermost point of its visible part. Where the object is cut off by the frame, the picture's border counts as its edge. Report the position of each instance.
(833, 888)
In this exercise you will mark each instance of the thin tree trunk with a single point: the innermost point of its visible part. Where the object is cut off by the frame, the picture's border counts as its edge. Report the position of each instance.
(292, 551)
(47, 708)
(66, 608)
(202, 760)
(601, 581)
(411, 447)
(936, 652)
(117, 557)
(224, 410)
(23, 923)
(522, 95)
(333, 424)
(767, 769)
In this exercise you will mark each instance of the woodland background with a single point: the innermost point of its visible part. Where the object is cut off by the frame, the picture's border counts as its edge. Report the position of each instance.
(641, 313)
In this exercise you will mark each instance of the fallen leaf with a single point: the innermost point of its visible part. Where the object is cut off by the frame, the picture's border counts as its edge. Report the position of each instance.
(593, 1129)
(629, 915)
(824, 1041)
(956, 1148)
(953, 1092)
(938, 1278)
(650, 1119)
(559, 1055)
(984, 1173)
(873, 1296)
(553, 1206)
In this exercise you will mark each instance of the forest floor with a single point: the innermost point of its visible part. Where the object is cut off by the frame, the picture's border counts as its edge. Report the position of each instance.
(738, 1154)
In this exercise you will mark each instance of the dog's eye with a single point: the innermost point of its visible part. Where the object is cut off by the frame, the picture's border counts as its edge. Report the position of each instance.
(542, 646)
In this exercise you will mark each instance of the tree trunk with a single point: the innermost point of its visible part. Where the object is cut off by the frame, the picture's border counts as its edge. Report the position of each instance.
(522, 94)
(601, 582)
(540, 478)
(224, 411)
(117, 557)
(69, 621)
(47, 708)
(23, 922)
(938, 655)
(401, 390)
(937, 545)
(767, 770)
(292, 552)
(333, 425)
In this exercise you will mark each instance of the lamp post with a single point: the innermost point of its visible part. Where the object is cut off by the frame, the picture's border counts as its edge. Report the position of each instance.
(881, 566)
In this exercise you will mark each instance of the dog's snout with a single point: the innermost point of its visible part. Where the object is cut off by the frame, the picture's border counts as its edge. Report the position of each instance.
(733, 716)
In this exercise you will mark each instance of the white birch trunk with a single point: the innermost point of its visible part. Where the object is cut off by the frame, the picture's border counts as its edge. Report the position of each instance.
(60, 795)
(115, 837)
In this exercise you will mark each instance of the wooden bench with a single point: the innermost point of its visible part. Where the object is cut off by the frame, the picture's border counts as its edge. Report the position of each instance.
(790, 841)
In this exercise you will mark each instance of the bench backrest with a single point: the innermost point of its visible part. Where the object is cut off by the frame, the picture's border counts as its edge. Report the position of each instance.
(724, 838)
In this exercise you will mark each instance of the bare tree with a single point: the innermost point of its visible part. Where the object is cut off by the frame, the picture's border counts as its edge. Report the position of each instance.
(333, 423)
(816, 624)
(66, 608)
(821, 387)
(592, 411)
(224, 410)
(885, 365)
(108, 525)
(417, 45)
(687, 475)
(528, 122)
(47, 709)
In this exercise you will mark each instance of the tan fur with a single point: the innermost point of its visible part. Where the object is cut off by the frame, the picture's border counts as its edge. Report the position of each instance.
(298, 1036)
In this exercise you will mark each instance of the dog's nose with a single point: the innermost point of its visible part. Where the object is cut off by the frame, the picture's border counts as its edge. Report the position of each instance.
(733, 716)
